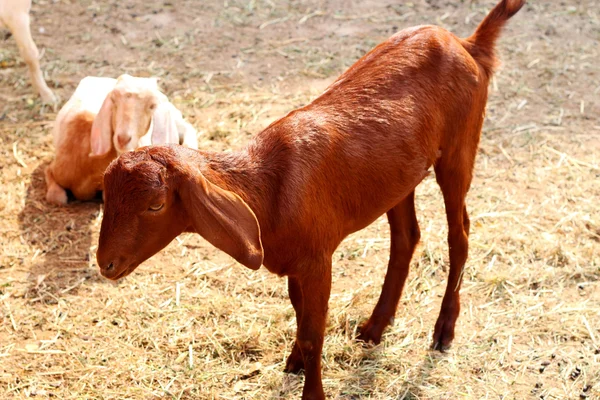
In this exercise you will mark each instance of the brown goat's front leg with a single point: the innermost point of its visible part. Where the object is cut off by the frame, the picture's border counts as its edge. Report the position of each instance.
(405, 235)
(295, 362)
(315, 288)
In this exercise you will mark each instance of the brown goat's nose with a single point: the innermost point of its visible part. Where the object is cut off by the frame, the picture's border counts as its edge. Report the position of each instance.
(110, 266)
(123, 139)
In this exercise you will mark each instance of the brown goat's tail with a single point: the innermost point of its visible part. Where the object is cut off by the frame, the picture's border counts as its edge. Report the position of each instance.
(481, 44)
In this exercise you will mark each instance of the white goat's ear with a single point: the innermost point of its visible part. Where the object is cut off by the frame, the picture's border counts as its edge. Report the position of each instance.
(222, 218)
(164, 129)
(102, 130)
(187, 134)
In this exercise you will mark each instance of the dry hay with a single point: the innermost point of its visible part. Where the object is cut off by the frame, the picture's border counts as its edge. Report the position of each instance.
(190, 323)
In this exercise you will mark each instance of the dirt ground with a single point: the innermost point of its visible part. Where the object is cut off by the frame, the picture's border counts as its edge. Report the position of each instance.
(191, 323)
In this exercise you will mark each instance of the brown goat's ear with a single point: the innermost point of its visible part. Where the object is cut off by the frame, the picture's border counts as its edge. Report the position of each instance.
(224, 219)
(102, 130)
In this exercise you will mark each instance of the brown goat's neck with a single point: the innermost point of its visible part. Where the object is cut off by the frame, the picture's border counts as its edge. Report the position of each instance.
(253, 173)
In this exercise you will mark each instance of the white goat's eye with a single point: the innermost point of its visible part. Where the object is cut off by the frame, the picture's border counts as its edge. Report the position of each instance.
(156, 207)
(152, 106)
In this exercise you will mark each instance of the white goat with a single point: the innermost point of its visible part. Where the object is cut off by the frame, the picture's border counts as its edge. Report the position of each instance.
(14, 15)
(104, 118)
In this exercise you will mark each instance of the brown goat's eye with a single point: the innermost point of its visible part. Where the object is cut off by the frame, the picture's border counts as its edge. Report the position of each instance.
(156, 207)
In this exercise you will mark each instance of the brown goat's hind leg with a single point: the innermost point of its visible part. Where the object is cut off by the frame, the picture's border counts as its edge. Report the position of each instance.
(295, 362)
(454, 184)
(405, 235)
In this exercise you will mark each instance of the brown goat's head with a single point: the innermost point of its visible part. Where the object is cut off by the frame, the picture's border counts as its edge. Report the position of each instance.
(154, 194)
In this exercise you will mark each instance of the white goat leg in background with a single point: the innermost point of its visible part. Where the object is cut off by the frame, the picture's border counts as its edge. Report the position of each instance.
(14, 14)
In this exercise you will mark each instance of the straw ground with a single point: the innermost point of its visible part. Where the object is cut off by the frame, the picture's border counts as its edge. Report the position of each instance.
(190, 323)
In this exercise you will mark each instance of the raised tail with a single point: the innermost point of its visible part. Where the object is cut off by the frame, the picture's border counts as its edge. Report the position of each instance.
(481, 44)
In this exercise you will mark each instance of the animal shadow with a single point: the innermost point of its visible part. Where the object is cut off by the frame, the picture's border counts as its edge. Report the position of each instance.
(407, 387)
(61, 240)
(359, 365)
(363, 372)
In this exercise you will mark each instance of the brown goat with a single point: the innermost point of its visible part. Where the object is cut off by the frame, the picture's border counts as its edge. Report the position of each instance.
(320, 173)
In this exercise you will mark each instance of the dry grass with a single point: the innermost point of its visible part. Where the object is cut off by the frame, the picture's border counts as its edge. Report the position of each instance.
(190, 323)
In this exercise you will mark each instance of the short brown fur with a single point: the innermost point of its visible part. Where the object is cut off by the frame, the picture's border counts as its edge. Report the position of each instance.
(320, 173)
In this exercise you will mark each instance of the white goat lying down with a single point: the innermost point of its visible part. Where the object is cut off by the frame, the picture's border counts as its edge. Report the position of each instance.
(14, 16)
(104, 118)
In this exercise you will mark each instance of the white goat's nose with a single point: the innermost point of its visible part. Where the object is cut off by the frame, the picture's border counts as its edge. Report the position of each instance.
(123, 139)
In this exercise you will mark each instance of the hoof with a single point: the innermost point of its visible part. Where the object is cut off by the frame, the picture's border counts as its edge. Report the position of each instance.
(443, 334)
(295, 362)
(56, 195)
(48, 97)
(441, 347)
(372, 330)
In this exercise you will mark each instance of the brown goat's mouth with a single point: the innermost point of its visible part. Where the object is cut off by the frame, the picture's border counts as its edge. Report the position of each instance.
(115, 275)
